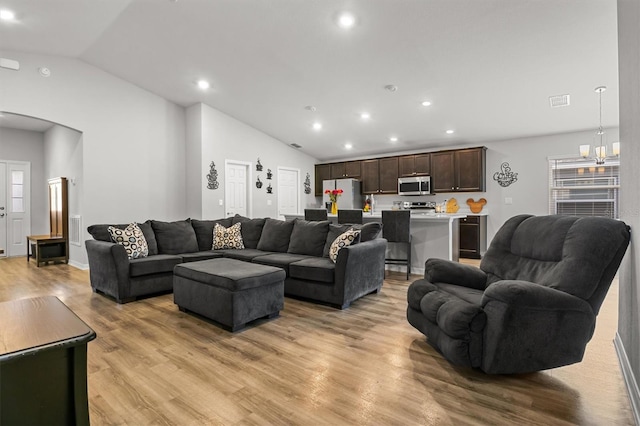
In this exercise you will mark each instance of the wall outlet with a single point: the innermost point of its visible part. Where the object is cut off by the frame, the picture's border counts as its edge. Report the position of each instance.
(268, 202)
(508, 200)
(220, 203)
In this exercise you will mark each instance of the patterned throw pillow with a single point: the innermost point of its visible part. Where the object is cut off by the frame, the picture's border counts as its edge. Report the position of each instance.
(343, 240)
(227, 238)
(132, 239)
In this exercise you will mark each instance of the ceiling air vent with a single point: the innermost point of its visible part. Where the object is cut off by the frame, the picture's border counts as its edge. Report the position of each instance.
(296, 146)
(559, 101)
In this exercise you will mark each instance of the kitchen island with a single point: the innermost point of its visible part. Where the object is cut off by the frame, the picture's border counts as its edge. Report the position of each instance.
(432, 235)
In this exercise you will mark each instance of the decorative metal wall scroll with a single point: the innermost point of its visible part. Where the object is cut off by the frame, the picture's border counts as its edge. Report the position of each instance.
(258, 165)
(505, 177)
(212, 177)
(269, 174)
(307, 184)
(269, 189)
(258, 183)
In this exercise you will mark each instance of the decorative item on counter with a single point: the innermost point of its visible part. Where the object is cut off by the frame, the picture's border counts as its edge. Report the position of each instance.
(333, 196)
(476, 206)
(307, 184)
(269, 189)
(212, 177)
(452, 206)
(269, 174)
(258, 183)
(258, 165)
(506, 177)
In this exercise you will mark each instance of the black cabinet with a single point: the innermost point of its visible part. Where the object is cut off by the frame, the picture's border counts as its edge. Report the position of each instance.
(414, 165)
(323, 172)
(473, 236)
(380, 176)
(462, 170)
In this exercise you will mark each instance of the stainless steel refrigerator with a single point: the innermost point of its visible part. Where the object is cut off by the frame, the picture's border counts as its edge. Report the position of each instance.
(351, 198)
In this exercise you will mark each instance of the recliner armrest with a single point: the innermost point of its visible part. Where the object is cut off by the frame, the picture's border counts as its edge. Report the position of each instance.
(446, 271)
(525, 294)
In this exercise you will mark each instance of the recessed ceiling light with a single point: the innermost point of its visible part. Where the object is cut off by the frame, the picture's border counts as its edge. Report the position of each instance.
(426, 103)
(311, 108)
(391, 87)
(203, 84)
(317, 126)
(449, 132)
(7, 15)
(365, 115)
(393, 139)
(348, 146)
(346, 20)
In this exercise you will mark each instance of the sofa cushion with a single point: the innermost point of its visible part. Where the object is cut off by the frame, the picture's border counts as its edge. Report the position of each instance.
(227, 238)
(175, 237)
(251, 230)
(334, 232)
(132, 239)
(315, 269)
(275, 235)
(369, 231)
(246, 254)
(204, 231)
(200, 255)
(160, 263)
(308, 237)
(280, 260)
(101, 233)
(346, 239)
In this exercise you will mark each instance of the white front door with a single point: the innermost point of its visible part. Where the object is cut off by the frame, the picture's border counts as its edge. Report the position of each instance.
(288, 191)
(236, 187)
(19, 207)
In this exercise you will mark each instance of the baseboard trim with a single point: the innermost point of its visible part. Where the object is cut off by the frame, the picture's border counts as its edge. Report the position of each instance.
(629, 378)
(79, 265)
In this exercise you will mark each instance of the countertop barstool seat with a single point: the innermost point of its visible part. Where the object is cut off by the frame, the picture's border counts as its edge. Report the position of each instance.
(349, 216)
(396, 228)
(315, 214)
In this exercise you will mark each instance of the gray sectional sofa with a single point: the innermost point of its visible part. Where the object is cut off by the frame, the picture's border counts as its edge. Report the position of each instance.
(299, 247)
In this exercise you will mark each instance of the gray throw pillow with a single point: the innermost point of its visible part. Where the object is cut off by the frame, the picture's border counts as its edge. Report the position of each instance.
(275, 235)
(369, 231)
(204, 231)
(308, 237)
(334, 232)
(251, 230)
(175, 237)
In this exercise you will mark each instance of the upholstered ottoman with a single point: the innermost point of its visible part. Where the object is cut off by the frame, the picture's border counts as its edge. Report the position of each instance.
(229, 291)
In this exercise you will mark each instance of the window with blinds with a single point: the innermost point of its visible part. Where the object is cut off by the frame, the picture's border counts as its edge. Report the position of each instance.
(578, 187)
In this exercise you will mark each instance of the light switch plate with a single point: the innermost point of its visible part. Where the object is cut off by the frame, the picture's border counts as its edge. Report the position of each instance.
(268, 202)
(220, 203)
(508, 200)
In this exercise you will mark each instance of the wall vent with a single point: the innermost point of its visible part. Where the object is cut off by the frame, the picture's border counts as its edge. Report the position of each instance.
(296, 146)
(75, 230)
(559, 101)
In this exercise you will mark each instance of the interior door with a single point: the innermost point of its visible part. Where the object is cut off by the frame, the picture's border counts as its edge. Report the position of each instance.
(19, 208)
(288, 191)
(3, 210)
(235, 188)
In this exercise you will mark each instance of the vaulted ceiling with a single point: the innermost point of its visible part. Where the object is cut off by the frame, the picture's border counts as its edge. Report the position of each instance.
(488, 67)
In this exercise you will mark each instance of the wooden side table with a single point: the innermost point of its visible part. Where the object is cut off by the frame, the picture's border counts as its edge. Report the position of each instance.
(43, 363)
(47, 249)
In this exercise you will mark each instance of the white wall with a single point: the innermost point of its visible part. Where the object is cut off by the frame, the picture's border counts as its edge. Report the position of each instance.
(133, 146)
(225, 138)
(63, 158)
(25, 145)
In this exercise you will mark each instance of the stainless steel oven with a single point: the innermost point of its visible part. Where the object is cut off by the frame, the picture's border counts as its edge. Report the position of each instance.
(419, 185)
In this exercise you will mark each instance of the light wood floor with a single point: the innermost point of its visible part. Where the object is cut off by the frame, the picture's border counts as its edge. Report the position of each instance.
(314, 365)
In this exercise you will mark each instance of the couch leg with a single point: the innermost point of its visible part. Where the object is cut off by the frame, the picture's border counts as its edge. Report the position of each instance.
(273, 315)
(125, 300)
(181, 309)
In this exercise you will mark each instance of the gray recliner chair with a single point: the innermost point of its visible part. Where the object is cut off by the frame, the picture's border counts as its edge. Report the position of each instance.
(532, 305)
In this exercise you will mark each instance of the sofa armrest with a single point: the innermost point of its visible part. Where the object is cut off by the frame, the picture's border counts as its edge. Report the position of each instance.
(360, 269)
(446, 271)
(531, 327)
(109, 269)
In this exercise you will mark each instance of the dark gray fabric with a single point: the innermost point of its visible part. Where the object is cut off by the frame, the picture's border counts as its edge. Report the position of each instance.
(314, 269)
(351, 216)
(230, 274)
(441, 270)
(308, 237)
(246, 254)
(280, 260)
(175, 237)
(204, 231)
(153, 264)
(275, 235)
(334, 232)
(100, 232)
(251, 230)
(369, 231)
(201, 255)
(396, 226)
(315, 214)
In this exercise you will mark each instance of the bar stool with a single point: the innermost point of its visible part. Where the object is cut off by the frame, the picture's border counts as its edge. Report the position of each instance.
(315, 214)
(349, 216)
(396, 228)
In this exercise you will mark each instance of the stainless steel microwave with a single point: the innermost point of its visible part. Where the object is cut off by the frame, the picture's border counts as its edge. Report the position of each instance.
(419, 185)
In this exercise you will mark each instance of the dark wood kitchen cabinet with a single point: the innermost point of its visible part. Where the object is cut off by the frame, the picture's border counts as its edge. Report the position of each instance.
(473, 237)
(414, 165)
(458, 171)
(380, 176)
(347, 169)
(323, 172)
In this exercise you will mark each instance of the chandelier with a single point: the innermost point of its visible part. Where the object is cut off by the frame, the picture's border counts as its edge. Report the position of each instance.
(600, 149)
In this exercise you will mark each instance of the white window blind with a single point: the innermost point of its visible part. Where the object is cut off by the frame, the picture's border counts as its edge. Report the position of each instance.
(579, 187)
